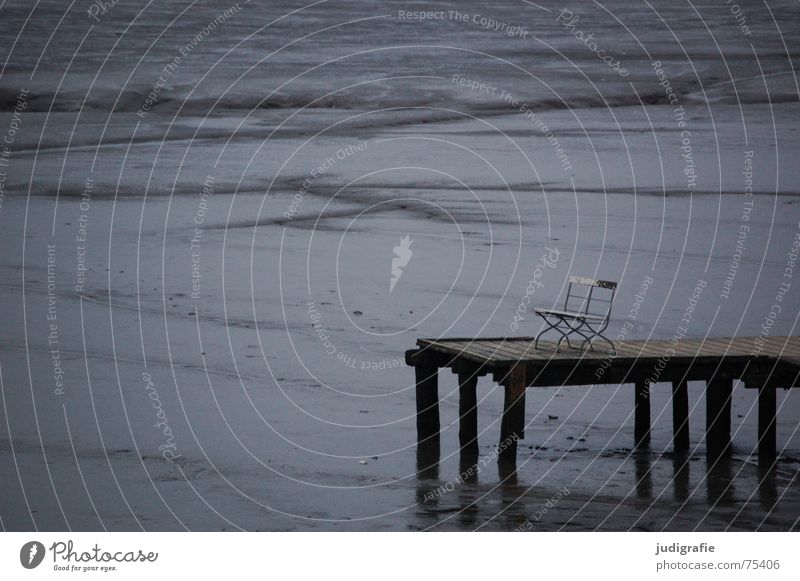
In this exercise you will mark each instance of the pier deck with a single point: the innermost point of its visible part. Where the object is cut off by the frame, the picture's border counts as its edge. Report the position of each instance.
(765, 364)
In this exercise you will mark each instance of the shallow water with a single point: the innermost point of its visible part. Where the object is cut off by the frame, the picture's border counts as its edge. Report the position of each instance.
(196, 244)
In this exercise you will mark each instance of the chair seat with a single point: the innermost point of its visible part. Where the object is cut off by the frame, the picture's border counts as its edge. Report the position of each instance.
(569, 315)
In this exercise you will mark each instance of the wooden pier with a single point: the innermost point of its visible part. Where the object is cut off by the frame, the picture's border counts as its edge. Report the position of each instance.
(765, 364)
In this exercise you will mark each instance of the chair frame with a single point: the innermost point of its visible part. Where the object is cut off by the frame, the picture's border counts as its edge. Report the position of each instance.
(585, 320)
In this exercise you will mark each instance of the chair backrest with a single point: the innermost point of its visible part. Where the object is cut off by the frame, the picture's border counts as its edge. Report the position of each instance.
(590, 296)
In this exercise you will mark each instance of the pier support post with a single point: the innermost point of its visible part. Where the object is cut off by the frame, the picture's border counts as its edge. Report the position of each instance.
(680, 416)
(767, 434)
(512, 425)
(718, 416)
(427, 405)
(641, 425)
(468, 411)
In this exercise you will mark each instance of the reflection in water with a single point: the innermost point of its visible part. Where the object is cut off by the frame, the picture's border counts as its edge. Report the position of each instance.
(767, 485)
(644, 480)
(427, 470)
(468, 474)
(475, 497)
(468, 515)
(428, 461)
(507, 471)
(719, 480)
(680, 476)
(511, 496)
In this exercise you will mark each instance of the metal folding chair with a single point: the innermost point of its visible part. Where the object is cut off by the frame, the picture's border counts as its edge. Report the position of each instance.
(586, 313)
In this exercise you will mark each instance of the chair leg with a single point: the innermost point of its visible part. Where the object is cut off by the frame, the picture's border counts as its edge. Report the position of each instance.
(542, 332)
(586, 338)
(563, 337)
(582, 328)
(606, 339)
(596, 333)
(601, 330)
(554, 326)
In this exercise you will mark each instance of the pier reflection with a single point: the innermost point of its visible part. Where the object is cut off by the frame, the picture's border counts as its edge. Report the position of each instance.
(644, 478)
(681, 471)
(719, 480)
(428, 457)
(507, 471)
(767, 485)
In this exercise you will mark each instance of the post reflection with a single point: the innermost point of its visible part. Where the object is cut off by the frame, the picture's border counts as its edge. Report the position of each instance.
(428, 457)
(507, 471)
(680, 476)
(719, 480)
(767, 485)
(468, 470)
(644, 479)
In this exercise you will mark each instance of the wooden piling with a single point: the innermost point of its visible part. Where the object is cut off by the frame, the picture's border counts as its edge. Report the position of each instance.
(427, 405)
(767, 433)
(468, 411)
(512, 426)
(718, 415)
(641, 426)
(680, 416)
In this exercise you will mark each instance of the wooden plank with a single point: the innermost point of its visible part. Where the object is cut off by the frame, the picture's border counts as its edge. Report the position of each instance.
(721, 347)
(732, 347)
(696, 348)
(545, 354)
(525, 349)
(445, 339)
(468, 411)
(680, 416)
(458, 353)
(464, 348)
(489, 352)
(546, 351)
(738, 345)
(693, 348)
(776, 345)
(499, 351)
(653, 350)
(506, 351)
(431, 349)
(627, 349)
(513, 350)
